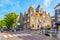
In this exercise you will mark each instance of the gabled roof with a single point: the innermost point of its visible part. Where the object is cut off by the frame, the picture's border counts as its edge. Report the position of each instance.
(57, 5)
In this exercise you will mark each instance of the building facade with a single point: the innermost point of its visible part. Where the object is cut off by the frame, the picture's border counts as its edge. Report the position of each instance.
(35, 20)
(57, 15)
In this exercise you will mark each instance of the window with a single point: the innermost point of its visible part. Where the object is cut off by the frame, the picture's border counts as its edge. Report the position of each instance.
(49, 21)
(38, 26)
(44, 16)
(28, 15)
(27, 20)
(31, 13)
(32, 25)
(59, 17)
(44, 21)
(23, 19)
(40, 22)
(58, 11)
(33, 19)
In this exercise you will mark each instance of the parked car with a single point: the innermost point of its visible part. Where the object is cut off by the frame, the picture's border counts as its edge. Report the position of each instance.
(5, 29)
(18, 29)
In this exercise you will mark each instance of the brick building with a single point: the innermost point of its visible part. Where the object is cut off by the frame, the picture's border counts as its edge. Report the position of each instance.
(35, 20)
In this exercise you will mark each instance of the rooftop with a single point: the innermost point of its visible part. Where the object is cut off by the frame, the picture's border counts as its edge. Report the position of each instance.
(31, 8)
(58, 5)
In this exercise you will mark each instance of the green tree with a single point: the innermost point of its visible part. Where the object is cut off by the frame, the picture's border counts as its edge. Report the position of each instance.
(2, 23)
(10, 19)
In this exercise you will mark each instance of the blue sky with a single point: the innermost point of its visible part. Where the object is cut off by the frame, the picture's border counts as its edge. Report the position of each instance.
(18, 6)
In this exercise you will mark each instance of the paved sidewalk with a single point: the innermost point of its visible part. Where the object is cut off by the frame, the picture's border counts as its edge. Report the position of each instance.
(47, 37)
(0, 38)
(31, 35)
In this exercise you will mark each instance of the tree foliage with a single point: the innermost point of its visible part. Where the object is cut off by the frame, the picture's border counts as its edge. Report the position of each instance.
(2, 23)
(10, 19)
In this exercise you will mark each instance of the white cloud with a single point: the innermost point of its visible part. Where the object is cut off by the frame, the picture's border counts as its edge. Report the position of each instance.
(47, 2)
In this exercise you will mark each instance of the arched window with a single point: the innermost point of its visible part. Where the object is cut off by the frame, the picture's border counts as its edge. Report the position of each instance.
(33, 19)
(38, 26)
(32, 25)
(44, 16)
